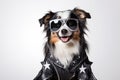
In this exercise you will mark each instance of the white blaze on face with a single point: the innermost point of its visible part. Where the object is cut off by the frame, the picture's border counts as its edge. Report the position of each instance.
(64, 15)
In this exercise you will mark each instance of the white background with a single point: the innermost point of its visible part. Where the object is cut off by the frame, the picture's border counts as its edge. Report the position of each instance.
(22, 39)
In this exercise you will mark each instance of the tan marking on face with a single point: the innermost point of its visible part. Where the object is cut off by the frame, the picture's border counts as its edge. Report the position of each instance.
(76, 35)
(54, 38)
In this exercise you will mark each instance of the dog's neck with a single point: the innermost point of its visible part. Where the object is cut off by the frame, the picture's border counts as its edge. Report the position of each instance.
(65, 52)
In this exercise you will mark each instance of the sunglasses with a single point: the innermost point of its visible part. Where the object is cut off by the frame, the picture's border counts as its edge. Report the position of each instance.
(56, 24)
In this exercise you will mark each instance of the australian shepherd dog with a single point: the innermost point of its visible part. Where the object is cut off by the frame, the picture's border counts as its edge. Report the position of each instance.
(66, 48)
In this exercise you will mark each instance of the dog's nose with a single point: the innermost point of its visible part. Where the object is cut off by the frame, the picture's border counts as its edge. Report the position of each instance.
(64, 31)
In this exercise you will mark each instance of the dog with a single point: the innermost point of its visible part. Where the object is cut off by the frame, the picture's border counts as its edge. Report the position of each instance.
(66, 48)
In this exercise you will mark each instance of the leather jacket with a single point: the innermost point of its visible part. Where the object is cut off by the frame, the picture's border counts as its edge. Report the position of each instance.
(79, 69)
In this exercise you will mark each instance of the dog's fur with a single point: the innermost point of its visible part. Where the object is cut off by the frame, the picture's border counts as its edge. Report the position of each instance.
(65, 51)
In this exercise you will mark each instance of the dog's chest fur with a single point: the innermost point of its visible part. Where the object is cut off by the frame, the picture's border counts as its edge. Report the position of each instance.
(65, 52)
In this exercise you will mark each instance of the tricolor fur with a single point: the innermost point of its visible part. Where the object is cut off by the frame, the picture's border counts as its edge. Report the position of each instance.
(65, 44)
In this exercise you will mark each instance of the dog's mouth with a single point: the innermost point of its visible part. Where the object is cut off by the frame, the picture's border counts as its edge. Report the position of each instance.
(65, 38)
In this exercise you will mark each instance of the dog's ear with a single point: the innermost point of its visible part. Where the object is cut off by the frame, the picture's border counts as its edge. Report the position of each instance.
(46, 18)
(81, 13)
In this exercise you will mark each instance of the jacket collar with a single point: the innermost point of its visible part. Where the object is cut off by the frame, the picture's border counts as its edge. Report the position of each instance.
(77, 61)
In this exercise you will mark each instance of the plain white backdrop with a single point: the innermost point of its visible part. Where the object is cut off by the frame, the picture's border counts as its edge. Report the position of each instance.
(22, 39)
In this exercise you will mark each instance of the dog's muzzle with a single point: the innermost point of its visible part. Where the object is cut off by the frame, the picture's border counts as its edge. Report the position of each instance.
(64, 27)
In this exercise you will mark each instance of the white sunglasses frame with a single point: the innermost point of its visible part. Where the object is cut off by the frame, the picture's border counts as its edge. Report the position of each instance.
(63, 21)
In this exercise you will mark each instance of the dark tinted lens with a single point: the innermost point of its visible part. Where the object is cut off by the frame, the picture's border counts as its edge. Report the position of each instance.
(55, 26)
(72, 24)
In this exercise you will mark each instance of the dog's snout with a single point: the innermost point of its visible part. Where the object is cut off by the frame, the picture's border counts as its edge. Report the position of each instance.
(64, 31)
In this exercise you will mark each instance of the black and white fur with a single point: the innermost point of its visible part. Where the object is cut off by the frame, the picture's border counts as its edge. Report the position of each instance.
(60, 50)
(66, 51)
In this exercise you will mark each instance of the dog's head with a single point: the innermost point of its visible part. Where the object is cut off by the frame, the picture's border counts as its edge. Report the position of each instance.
(64, 26)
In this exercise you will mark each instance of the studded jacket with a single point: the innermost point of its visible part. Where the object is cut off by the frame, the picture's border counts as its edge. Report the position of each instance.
(79, 69)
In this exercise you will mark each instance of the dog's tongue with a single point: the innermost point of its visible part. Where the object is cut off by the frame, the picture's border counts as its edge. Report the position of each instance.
(64, 39)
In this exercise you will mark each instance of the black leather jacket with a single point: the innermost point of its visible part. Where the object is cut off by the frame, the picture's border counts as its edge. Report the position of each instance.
(79, 69)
